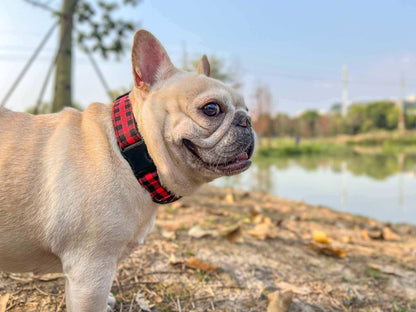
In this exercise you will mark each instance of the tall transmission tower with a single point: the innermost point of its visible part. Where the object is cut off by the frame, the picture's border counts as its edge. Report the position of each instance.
(402, 118)
(344, 90)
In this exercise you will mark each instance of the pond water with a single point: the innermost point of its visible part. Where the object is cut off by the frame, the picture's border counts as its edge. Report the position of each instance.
(379, 186)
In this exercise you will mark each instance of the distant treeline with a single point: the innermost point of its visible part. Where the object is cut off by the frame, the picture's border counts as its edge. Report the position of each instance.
(360, 118)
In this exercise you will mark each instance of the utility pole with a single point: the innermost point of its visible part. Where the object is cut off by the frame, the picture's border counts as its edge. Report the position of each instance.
(344, 90)
(402, 115)
(63, 74)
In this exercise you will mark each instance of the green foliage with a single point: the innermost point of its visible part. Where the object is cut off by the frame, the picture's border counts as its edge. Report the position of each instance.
(309, 115)
(360, 118)
(379, 166)
(98, 29)
(356, 117)
(376, 274)
(309, 148)
(383, 114)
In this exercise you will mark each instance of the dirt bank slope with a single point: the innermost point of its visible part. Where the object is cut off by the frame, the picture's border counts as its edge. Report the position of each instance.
(223, 250)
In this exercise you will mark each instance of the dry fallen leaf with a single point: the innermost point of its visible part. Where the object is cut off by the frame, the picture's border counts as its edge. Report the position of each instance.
(302, 290)
(347, 239)
(229, 198)
(384, 234)
(198, 232)
(328, 250)
(174, 261)
(197, 264)
(255, 211)
(142, 302)
(233, 233)
(389, 235)
(259, 218)
(320, 237)
(264, 229)
(171, 235)
(279, 301)
(364, 234)
(3, 302)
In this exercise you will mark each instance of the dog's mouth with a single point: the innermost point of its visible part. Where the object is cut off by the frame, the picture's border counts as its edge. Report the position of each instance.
(234, 166)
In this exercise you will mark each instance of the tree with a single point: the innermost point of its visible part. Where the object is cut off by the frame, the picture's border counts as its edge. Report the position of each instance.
(378, 112)
(95, 28)
(263, 123)
(309, 119)
(282, 125)
(356, 117)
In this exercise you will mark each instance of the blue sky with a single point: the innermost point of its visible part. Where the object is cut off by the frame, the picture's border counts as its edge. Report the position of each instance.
(296, 47)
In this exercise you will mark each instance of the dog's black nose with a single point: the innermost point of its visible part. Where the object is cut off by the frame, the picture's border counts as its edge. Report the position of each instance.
(241, 119)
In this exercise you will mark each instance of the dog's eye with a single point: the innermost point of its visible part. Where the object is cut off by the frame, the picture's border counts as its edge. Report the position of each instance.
(211, 109)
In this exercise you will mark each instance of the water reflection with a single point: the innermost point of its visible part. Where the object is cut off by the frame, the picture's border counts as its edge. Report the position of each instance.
(380, 186)
(378, 166)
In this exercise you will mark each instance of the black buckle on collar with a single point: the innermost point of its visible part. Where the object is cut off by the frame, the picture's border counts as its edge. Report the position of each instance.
(139, 159)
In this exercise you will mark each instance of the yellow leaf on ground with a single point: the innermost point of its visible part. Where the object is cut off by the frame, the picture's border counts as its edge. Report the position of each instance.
(197, 264)
(347, 239)
(229, 198)
(279, 301)
(320, 237)
(173, 261)
(328, 250)
(264, 229)
(3, 302)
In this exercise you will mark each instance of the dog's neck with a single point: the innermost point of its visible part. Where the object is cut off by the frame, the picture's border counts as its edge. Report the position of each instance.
(134, 150)
(180, 180)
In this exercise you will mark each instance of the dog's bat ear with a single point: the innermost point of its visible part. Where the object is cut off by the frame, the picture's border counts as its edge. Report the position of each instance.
(151, 63)
(203, 66)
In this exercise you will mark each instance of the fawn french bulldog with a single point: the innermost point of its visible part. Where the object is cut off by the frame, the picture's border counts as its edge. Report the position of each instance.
(80, 190)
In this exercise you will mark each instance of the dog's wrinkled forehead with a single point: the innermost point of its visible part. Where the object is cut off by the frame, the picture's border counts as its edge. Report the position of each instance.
(198, 89)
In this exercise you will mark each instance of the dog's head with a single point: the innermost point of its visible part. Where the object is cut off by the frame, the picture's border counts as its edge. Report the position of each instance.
(196, 128)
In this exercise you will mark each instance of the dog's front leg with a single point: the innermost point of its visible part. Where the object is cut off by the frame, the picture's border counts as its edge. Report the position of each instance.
(88, 283)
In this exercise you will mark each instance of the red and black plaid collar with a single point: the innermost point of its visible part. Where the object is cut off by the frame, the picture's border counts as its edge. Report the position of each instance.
(134, 150)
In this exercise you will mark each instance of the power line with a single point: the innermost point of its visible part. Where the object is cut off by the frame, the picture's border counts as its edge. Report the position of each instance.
(48, 74)
(28, 64)
(45, 6)
(97, 71)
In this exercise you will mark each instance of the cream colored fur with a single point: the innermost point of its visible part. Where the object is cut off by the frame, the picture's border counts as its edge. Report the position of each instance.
(68, 199)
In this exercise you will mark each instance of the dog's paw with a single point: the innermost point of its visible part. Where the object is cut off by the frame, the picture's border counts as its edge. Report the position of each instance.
(111, 302)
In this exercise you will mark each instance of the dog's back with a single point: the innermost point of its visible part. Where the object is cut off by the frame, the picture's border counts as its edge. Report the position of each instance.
(37, 156)
(21, 139)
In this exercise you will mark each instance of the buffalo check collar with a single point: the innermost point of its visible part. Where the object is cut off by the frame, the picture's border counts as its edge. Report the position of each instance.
(134, 150)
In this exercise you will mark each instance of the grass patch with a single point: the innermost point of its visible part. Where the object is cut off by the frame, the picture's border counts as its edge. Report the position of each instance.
(319, 148)
(384, 143)
(376, 274)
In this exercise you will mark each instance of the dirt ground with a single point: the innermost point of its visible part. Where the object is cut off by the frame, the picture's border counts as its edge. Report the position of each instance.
(227, 250)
